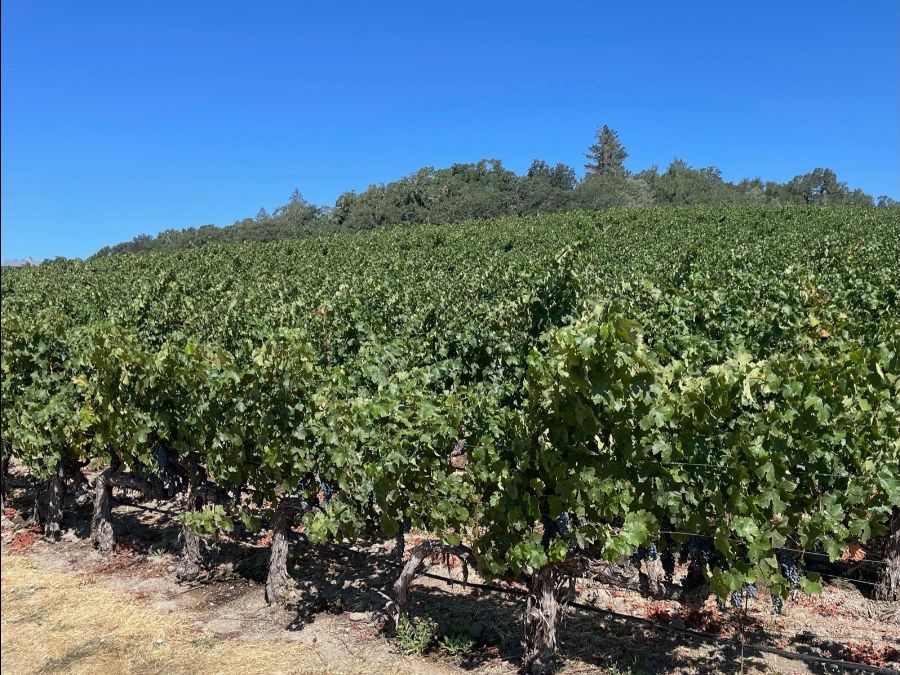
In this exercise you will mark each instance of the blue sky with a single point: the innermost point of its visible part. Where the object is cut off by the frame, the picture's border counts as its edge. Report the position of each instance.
(128, 118)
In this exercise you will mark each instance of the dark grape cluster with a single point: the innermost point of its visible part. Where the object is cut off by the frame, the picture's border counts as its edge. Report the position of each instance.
(698, 552)
(563, 525)
(667, 559)
(554, 527)
(649, 552)
(777, 604)
(737, 597)
(787, 563)
(790, 570)
(308, 485)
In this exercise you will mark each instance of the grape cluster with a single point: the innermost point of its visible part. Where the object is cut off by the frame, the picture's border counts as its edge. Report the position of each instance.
(698, 552)
(649, 552)
(554, 527)
(787, 564)
(789, 569)
(172, 482)
(737, 597)
(563, 525)
(168, 479)
(667, 559)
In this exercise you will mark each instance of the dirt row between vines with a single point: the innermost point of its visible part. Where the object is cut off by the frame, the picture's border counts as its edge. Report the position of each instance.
(67, 609)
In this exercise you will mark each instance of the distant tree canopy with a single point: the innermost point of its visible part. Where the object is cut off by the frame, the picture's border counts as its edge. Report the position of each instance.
(486, 189)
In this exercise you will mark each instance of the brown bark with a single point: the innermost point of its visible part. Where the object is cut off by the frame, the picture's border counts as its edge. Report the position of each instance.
(54, 507)
(551, 589)
(400, 542)
(888, 585)
(417, 556)
(401, 587)
(5, 458)
(191, 563)
(278, 579)
(542, 612)
(37, 518)
(102, 534)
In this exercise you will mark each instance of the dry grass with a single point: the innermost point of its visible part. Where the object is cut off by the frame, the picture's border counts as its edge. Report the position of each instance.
(54, 622)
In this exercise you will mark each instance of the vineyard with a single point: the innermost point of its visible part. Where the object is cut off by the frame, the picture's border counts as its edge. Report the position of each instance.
(699, 400)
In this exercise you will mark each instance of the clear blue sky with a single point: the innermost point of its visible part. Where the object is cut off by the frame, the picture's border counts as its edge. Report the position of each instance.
(132, 117)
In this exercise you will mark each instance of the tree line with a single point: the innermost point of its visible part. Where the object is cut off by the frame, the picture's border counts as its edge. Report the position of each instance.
(487, 189)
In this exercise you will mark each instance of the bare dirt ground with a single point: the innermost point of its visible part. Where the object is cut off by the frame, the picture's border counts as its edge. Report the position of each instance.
(66, 609)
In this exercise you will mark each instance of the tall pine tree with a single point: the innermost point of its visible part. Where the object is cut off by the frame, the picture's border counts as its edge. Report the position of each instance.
(607, 155)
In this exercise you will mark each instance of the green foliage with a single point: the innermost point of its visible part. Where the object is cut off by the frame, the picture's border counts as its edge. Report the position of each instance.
(612, 191)
(415, 636)
(730, 371)
(629, 670)
(457, 644)
(607, 155)
(209, 520)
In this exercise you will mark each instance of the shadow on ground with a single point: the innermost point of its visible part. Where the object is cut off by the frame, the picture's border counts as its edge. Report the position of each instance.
(337, 580)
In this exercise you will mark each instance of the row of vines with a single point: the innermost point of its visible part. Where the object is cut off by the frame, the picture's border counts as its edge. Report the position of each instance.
(541, 393)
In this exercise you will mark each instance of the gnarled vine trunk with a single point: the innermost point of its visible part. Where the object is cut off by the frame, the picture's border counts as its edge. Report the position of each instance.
(399, 607)
(37, 517)
(278, 579)
(53, 520)
(400, 541)
(542, 612)
(551, 588)
(191, 563)
(102, 534)
(888, 584)
(5, 458)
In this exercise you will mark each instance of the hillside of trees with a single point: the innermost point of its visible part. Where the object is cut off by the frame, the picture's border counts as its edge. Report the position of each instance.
(486, 189)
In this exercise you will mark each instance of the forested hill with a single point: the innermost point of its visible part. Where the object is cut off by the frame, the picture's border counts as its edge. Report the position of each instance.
(486, 189)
